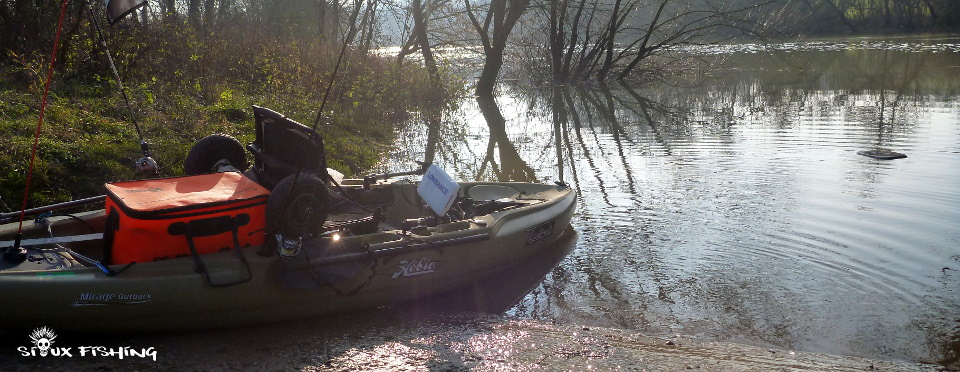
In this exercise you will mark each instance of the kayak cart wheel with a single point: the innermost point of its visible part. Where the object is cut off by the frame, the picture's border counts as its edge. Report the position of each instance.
(213, 152)
(297, 206)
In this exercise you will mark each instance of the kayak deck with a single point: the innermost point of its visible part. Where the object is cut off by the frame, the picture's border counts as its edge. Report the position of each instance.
(358, 261)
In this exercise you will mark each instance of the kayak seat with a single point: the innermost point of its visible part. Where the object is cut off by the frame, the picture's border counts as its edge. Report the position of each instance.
(281, 145)
(492, 192)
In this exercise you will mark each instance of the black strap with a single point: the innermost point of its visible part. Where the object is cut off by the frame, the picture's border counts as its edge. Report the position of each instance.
(209, 227)
(110, 226)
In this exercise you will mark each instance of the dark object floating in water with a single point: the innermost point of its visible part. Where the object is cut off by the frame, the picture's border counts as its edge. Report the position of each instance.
(882, 154)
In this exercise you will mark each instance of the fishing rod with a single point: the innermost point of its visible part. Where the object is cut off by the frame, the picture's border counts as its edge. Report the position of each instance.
(288, 245)
(17, 252)
(336, 68)
(7, 217)
(145, 165)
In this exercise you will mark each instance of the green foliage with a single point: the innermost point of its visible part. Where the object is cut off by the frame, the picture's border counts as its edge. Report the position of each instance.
(871, 16)
(185, 85)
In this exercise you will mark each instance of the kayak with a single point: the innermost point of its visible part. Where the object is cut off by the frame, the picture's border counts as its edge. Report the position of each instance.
(287, 238)
(354, 261)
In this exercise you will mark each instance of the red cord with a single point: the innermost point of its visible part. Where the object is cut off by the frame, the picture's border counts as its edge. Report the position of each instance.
(43, 107)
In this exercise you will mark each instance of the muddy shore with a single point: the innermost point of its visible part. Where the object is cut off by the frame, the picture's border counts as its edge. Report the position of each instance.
(412, 341)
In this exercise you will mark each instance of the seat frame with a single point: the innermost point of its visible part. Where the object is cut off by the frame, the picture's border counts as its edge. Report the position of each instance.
(270, 164)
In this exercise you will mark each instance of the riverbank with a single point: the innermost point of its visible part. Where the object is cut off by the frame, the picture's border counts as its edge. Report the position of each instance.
(183, 86)
(406, 341)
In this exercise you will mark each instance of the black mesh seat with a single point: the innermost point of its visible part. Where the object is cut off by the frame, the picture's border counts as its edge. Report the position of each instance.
(282, 145)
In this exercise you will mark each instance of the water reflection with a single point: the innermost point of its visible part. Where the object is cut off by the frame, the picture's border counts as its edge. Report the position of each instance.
(736, 208)
(501, 292)
(511, 166)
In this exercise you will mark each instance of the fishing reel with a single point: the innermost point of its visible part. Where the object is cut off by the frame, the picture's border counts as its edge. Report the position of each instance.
(288, 247)
(146, 166)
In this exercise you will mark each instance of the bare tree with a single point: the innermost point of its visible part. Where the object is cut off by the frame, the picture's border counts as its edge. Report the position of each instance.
(597, 40)
(366, 31)
(421, 15)
(499, 18)
(193, 12)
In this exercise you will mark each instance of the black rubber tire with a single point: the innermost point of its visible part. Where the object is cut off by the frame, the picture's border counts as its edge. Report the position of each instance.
(211, 149)
(305, 211)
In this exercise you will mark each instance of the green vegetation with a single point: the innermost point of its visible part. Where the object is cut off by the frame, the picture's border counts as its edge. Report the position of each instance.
(864, 16)
(185, 84)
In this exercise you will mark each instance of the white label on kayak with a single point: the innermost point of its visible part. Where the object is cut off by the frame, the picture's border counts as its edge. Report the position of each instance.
(438, 190)
(539, 233)
(415, 267)
(93, 299)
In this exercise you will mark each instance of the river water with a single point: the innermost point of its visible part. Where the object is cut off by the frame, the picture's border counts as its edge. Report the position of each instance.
(733, 205)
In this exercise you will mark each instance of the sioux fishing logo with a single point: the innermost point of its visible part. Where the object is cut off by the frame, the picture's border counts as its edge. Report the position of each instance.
(43, 339)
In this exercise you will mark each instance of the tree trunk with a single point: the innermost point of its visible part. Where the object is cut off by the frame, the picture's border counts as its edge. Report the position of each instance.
(559, 125)
(573, 40)
(497, 25)
(512, 166)
(209, 13)
(193, 12)
(322, 18)
(557, 37)
(223, 8)
(492, 63)
(420, 34)
(371, 26)
(433, 115)
(612, 29)
(352, 31)
(170, 8)
(364, 21)
(642, 51)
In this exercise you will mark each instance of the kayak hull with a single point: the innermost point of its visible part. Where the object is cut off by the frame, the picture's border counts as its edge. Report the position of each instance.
(330, 274)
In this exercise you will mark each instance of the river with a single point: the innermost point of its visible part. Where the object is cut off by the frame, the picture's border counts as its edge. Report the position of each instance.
(733, 206)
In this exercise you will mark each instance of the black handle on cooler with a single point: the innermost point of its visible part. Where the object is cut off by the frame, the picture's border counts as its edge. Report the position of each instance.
(209, 227)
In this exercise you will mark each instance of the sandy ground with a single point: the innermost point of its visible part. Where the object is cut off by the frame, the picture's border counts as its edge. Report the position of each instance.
(388, 340)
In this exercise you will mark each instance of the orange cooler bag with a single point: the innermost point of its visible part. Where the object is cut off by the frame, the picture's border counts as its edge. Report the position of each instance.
(140, 215)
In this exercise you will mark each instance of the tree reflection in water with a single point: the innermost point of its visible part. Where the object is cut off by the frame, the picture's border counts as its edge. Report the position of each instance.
(738, 209)
(511, 166)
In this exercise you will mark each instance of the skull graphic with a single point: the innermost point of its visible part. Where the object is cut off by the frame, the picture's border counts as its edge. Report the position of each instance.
(43, 337)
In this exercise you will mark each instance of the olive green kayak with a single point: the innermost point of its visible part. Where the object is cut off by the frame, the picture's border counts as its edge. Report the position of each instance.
(380, 247)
